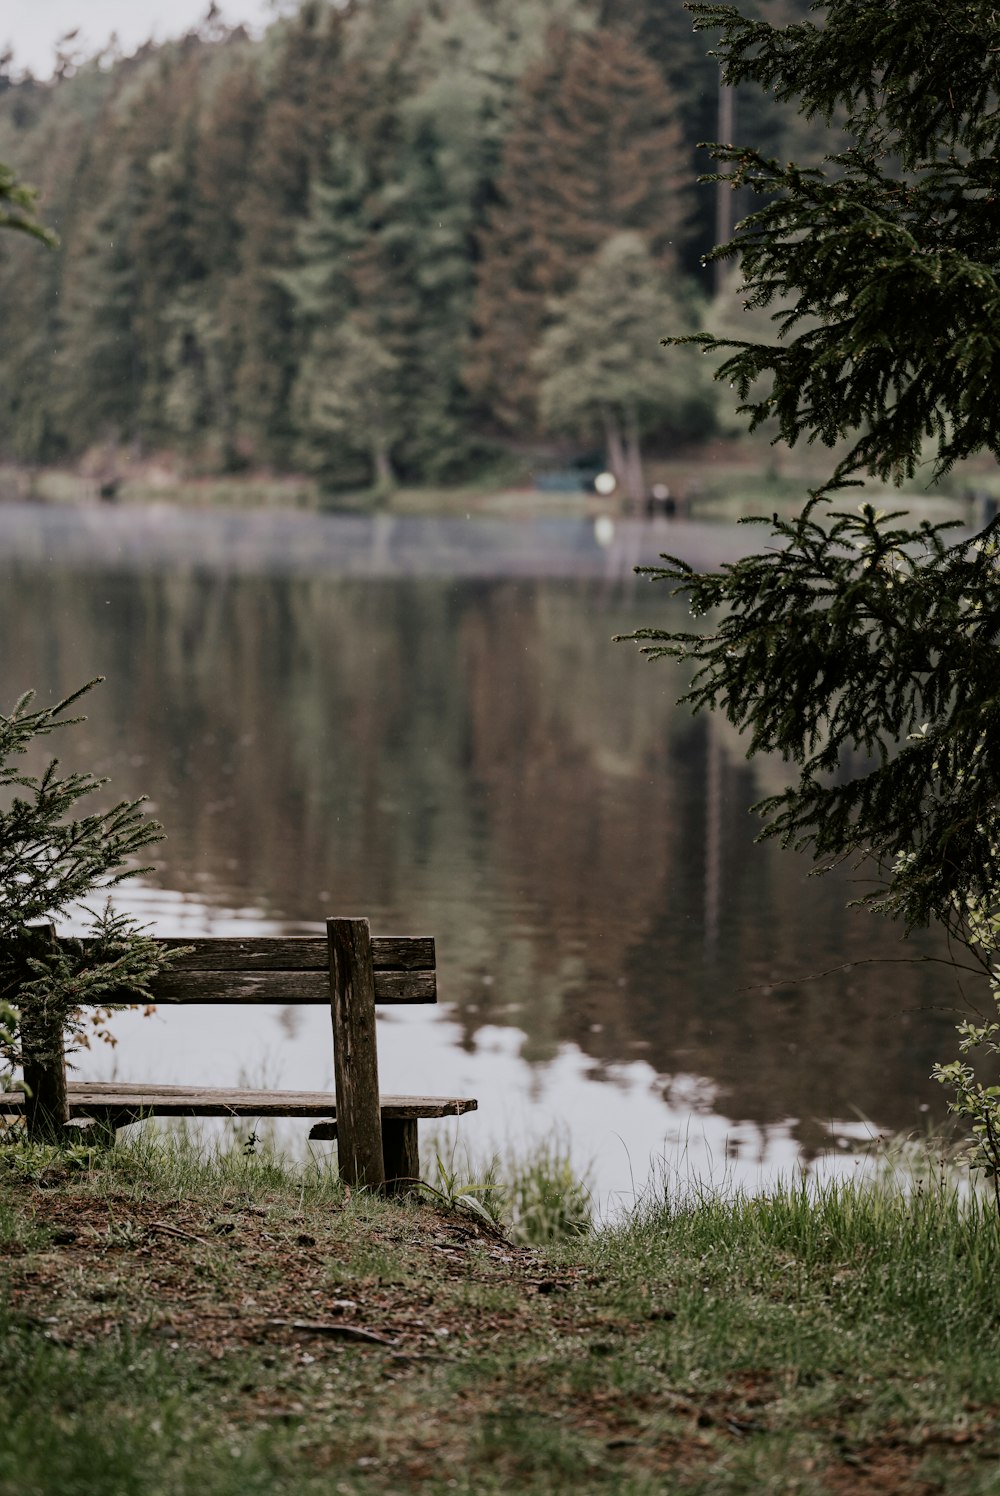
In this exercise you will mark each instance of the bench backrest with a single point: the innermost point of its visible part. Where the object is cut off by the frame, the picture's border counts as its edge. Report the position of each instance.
(290, 970)
(347, 969)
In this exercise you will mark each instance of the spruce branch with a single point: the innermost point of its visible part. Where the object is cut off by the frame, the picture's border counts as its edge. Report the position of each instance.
(51, 858)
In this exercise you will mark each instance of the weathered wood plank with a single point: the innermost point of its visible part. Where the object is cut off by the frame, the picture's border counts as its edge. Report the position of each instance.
(295, 953)
(355, 1055)
(403, 952)
(284, 988)
(99, 1097)
(250, 953)
(400, 987)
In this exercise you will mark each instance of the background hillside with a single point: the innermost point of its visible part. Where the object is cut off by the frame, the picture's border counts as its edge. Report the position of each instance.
(371, 245)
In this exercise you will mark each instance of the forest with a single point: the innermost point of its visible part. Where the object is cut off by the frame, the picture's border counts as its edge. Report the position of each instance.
(390, 241)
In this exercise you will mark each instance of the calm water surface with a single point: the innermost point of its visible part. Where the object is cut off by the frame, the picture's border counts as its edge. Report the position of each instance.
(427, 722)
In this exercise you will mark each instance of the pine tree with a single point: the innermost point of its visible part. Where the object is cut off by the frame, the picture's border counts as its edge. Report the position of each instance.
(30, 285)
(50, 860)
(342, 298)
(129, 227)
(384, 261)
(593, 149)
(29, 298)
(667, 36)
(163, 141)
(203, 319)
(301, 102)
(96, 370)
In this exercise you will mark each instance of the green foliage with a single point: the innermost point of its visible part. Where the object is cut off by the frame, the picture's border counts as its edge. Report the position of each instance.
(856, 254)
(78, 983)
(977, 1104)
(381, 292)
(9, 1021)
(547, 1201)
(852, 636)
(26, 1161)
(729, 316)
(974, 1100)
(535, 1196)
(481, 1193)
(915, 80)
(18, 208)
(903, 219)
(50, 862)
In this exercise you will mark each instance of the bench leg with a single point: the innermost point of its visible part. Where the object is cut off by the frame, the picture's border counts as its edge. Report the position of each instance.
(401, 1155)
(101, 1131)
(95, 1131)
(355, 1061)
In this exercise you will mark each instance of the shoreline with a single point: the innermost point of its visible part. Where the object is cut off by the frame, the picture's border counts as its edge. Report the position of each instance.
(713, 486)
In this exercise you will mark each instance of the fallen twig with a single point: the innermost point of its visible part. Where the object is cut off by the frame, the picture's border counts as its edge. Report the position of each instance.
(169, 1230)
(335, 1330)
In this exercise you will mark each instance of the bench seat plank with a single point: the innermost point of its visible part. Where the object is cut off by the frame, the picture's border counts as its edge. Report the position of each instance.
(95, 1098)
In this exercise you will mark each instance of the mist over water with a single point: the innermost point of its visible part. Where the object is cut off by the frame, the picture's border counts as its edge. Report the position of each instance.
(431, 726)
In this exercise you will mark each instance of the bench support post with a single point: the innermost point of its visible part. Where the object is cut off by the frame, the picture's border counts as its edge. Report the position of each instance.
(46, 1107)
(355, 1059)
(401, 1154)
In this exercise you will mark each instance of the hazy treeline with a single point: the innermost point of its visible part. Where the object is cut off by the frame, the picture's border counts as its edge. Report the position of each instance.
(379, 243)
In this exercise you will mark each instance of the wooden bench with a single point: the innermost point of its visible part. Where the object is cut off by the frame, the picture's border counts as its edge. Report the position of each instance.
(376, 1135)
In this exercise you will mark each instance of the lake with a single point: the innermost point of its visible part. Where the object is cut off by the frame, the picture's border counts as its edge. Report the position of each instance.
(427, 721)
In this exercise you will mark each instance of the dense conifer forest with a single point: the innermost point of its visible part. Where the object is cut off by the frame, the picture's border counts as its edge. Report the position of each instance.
(370, 244)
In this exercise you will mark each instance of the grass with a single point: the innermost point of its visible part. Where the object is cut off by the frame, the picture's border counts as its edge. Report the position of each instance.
(177, 1322)
(535, 1197)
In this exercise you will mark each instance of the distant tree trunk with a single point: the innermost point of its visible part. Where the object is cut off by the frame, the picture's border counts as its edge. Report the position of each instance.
(723, 192)
(635, 481)
(614, 448)
(385, 478)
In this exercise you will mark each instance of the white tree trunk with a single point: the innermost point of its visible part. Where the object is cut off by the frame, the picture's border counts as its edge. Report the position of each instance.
(615, 448)
(385, 478)
(635, 481)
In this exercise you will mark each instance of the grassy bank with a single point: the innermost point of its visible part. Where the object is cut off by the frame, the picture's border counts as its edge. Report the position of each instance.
(176, 1325)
